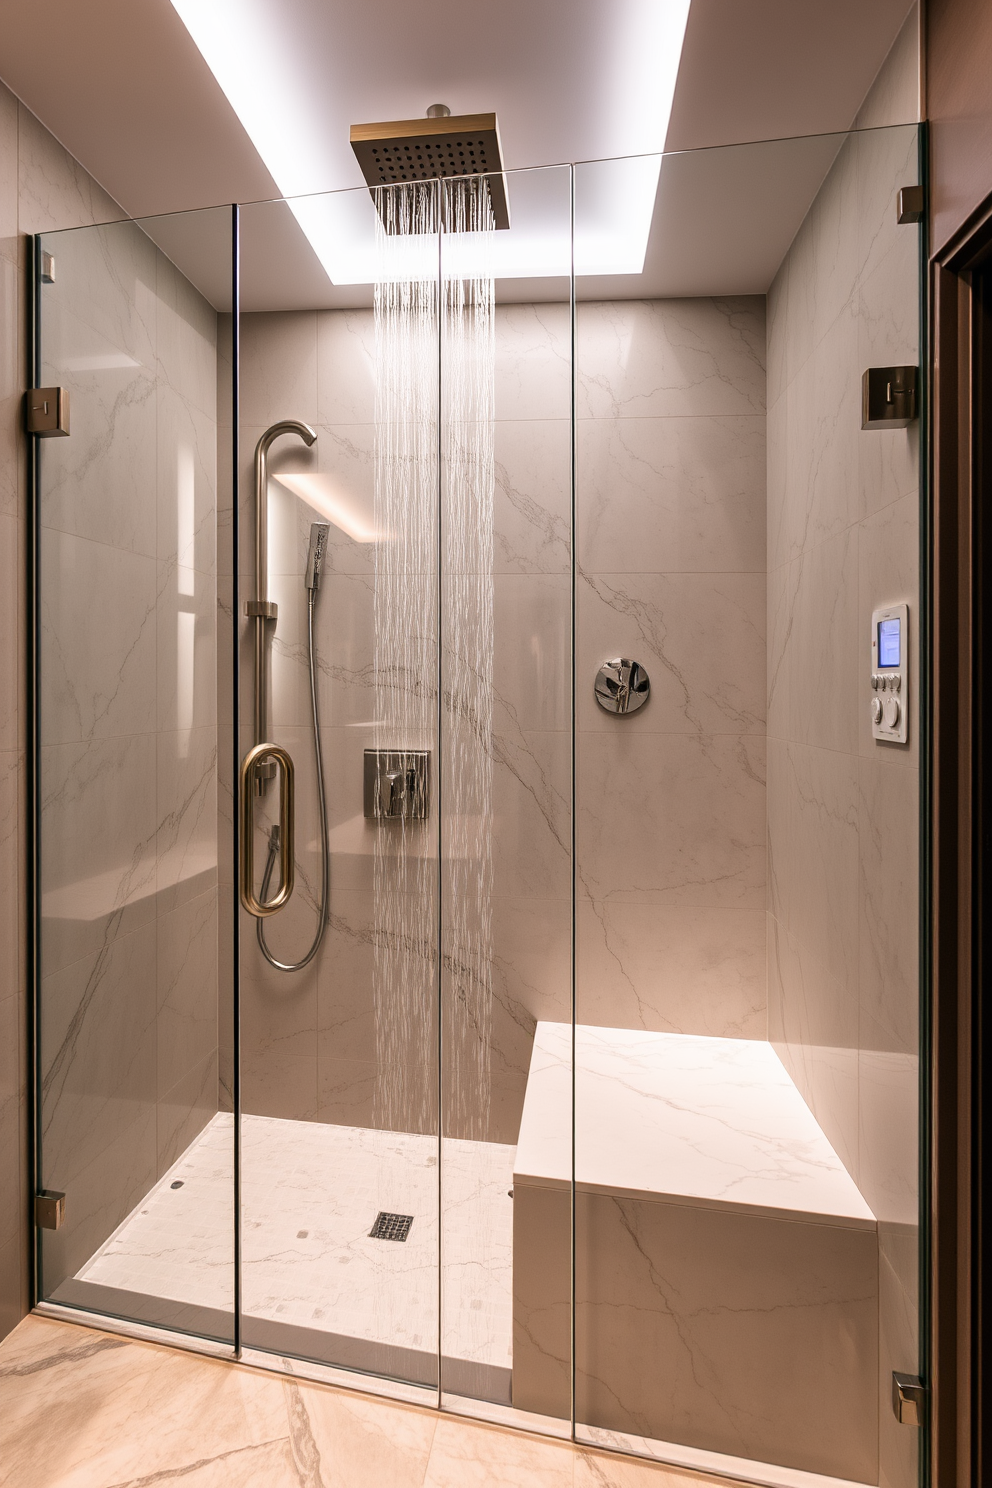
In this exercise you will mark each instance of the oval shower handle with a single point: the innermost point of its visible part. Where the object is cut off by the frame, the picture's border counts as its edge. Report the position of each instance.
(287, 828)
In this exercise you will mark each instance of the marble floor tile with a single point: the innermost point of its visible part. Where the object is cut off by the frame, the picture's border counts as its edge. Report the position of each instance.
(359, 1440)
(131, 1414)
(610, 1470)
(271, 1463)
(127, 1411)
(470, 1456)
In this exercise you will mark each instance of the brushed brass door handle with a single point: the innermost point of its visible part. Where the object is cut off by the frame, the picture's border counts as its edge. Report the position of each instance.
(287, 828)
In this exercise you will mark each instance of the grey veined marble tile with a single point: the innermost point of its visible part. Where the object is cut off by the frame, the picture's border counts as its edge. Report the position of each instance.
(684, 493)
(671, 970)
(673, 819)
(668, 357)
(54, 191)
(533, 362)
(98, 637)
(701, 638)
(278, 356)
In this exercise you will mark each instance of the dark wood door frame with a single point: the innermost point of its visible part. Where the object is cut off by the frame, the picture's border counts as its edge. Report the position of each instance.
(960, 549)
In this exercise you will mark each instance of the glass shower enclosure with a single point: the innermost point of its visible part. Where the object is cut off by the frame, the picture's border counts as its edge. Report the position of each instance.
(414, 1012)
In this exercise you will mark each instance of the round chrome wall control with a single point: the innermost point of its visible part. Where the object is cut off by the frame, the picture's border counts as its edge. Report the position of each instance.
(891, 712)
(875, 679)
(622, 686)
(876, 710)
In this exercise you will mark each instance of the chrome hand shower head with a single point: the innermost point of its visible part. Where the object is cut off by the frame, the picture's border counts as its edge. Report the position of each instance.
(315, 555)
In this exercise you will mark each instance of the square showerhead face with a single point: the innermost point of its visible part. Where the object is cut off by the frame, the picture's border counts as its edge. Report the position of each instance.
(434, 149)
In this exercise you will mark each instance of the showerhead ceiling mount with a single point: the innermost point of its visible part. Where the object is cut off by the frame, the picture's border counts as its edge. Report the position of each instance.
(443, 147)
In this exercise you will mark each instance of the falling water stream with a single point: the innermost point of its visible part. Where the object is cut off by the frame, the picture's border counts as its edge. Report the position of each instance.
(405, 621)
(434, 484)
(467, 488)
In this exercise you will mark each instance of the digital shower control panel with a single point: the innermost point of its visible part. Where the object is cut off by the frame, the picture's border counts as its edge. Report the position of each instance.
(890, 673)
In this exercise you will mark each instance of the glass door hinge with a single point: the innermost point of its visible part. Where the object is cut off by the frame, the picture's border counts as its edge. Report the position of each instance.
(49, 1209)
(911, 205)
(46, 411)
(909, 1399)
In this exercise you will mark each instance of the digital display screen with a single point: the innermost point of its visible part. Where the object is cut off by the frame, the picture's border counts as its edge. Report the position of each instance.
(889, 643)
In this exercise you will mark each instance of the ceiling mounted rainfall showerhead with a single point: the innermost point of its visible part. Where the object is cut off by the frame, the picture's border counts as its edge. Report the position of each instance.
(440, 147)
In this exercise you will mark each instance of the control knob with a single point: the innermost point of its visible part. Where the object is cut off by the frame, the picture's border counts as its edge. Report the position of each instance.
(891, 712)
(876, 710)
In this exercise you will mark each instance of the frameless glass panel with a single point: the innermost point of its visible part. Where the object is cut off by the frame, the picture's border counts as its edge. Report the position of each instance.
(732, 954)
(505, 771)
(134, 1116)
(435, 500)
(746, 979)
(339, 1027)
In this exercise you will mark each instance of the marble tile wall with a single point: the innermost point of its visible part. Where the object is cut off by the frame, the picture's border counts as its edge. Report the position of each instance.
(310, 1044)
(670, 471)
(670, 495)
(41, 187)
(128, 1030)
(799, 1301)
(843, 539)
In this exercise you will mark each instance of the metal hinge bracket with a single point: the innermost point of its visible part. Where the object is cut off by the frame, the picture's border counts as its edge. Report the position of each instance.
(909, 1399)
(911, 205)
(49, 1209)
(889, 397)
(46, 411)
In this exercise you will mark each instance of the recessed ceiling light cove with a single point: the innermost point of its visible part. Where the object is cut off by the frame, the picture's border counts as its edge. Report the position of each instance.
(254, 48)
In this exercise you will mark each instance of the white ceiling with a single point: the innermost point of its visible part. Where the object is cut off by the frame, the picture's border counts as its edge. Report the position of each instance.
(773, 69)
(123, 87)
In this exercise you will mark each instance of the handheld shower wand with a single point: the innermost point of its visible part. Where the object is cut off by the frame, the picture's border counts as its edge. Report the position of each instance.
(263, 610)
(315, 562)
(315, 555)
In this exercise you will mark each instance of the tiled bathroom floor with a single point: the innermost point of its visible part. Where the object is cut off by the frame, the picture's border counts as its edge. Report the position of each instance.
(311, 1193)
(83, 1409)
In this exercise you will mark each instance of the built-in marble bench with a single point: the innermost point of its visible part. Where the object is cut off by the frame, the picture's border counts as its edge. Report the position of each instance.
(726, 1268)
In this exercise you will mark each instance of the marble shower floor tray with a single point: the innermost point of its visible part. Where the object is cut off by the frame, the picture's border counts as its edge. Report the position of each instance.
(315, 1284)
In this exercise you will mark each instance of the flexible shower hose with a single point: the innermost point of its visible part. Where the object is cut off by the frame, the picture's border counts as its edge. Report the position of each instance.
(325, 857)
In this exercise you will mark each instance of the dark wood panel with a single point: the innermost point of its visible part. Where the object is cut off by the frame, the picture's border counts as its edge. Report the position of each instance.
(961, 1147)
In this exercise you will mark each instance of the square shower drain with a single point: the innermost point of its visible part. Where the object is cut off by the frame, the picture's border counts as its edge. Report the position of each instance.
(390, 1226)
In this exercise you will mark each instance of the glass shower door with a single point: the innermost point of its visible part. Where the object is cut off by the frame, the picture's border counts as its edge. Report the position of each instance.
(506, 805)
(416, 425)
(134, 1125)
(343, 1133)
(747, 989)
(339, 1049)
